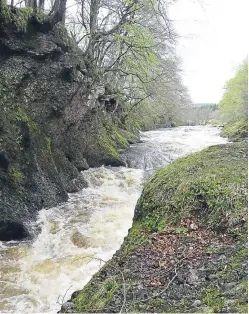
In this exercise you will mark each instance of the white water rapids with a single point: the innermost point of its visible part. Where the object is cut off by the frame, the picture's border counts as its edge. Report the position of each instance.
(74, 237)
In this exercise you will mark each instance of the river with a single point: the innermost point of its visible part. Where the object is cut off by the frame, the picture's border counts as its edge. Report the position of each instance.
(75, 238)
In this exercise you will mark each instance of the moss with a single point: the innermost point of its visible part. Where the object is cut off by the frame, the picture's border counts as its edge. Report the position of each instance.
(114, 136)
(210, 185)
(21, 115)
(120, 141)
(95, 299)
(236, 131)
(243, 308)
(110, 140)
(17, 175)
(213, 299)
(129, 136)
(17, 17)
(134, 239)
(244, 284)
(235, 261)
(107, 145)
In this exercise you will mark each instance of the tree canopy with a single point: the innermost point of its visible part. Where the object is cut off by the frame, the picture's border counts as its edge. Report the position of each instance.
(234, 103)
(129, 47)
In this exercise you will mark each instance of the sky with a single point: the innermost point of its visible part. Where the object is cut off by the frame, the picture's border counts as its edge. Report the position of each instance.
(213, 41)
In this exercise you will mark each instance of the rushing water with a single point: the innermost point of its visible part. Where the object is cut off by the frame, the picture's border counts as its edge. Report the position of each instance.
(76, 238)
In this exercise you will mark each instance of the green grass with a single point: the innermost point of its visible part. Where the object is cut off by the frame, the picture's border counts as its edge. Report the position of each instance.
(212, 297)
(95, 299)
(236, 131)
(210, 185)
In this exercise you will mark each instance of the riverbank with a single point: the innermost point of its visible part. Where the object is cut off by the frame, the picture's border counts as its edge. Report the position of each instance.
(237, 131)
(71, 239)
(186, 250)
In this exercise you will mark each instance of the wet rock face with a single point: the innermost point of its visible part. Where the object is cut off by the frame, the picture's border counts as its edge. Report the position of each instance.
(4, 161)
(12, 231)
(67, 307)
(48, 122)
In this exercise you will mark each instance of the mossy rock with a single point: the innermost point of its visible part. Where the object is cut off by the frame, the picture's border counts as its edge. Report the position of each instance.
(17, 18)
(112, 139)
(97, 300)
(17, 176)
(210, 185)
(236, 131)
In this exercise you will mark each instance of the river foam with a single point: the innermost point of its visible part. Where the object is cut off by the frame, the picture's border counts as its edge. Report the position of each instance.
(76, 238)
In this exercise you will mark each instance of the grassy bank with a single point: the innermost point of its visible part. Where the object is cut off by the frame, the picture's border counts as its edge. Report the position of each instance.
(237, 131)
(186, 249)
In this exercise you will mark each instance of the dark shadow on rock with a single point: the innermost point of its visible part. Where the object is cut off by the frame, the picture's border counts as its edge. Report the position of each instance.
(4, 161)
(10, 230)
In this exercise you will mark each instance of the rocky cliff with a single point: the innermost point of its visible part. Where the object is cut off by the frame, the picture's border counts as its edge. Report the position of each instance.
(53, 122)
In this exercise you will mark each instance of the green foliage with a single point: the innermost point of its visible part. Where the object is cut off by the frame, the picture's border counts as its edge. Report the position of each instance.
(212, 249)
(234, 104)
(18, 17)
(236, 131)
(234, 101)
(141, 39)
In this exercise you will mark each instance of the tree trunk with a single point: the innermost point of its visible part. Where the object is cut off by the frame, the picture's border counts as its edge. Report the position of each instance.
(63, 7)
(41, 5)
(94, 9)
(59, 12)
(34, 5)
(29, 3)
